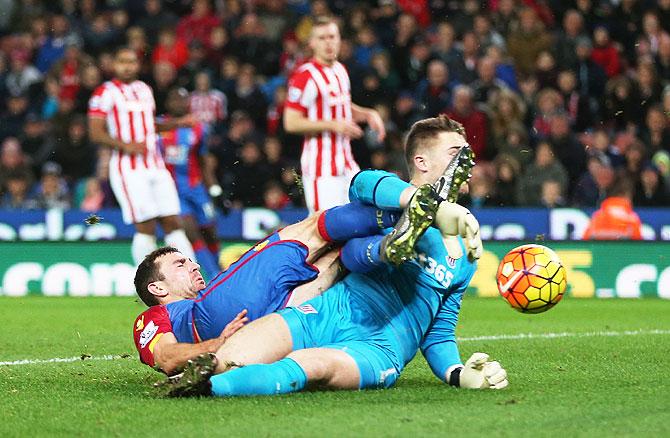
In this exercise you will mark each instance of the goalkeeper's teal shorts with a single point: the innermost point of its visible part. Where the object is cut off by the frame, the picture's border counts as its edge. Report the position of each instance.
(333, 320)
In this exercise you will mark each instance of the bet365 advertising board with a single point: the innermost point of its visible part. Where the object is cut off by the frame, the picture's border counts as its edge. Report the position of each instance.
(104, 268)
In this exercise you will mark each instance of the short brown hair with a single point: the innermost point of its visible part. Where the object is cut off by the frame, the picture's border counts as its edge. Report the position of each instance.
(323, 20)
(428, 129)
(148, 271)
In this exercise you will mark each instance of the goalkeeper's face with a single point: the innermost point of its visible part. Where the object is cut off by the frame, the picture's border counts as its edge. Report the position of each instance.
(436, 154)
(181, 275)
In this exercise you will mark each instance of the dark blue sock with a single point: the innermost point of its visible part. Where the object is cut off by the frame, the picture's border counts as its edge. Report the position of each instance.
(355, 220)
(280, 377)
(361, 254)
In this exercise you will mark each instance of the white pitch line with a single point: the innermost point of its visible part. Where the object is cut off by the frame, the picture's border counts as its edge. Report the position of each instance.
(63, 360)
(563, 335)
(462, 339)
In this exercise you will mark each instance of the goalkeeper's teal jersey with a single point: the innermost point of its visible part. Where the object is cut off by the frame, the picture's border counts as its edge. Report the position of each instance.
(417, 303)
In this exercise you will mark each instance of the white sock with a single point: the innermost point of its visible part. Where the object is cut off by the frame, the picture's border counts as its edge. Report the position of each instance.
(142, 245)
(178, 239)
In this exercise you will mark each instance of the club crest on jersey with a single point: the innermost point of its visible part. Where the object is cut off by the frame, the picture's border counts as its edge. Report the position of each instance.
(451, 262)
(148, 333)
(307, 309)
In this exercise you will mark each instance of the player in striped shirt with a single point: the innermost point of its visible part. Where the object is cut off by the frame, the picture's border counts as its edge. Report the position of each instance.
(208, 105)
(121, 117)
(319, 106)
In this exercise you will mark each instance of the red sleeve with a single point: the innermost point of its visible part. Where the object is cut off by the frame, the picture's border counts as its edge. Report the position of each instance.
(149, 327)
(296, 89)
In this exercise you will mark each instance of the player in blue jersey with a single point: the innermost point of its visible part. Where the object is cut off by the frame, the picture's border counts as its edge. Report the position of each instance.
(362, 332)
(188, 317)
(186, 157)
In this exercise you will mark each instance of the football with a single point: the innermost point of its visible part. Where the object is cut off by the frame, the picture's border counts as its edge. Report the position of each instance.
(531, 278)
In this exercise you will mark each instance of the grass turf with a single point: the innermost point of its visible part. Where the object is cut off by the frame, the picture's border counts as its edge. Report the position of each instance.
(572, 386)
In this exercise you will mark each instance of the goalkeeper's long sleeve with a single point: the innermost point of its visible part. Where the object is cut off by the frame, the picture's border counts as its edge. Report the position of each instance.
(377, 187)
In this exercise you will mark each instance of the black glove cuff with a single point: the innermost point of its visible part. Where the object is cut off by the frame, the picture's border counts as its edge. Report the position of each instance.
(455, 377)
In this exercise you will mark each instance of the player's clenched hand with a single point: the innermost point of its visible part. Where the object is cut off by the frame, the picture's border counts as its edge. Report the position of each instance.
(479, 373)
(454, 220)
(234, 325)
(350, 129)
(134, 147)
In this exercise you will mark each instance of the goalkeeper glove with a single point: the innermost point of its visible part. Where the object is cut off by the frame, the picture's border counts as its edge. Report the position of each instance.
(216, 193)
(454, 220)
(478, 373)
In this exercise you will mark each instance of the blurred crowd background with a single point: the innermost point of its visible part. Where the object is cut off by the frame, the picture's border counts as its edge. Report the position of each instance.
(561, 100)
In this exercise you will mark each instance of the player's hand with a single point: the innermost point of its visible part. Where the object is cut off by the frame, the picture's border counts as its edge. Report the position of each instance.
(349, 129)
(234, 325)
(134, 147)
(376, 123)
(454, 220)
(479, 373)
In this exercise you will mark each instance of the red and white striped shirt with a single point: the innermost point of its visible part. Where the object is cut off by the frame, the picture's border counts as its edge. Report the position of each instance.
(323, 92)
(208, 107)
(129, 112)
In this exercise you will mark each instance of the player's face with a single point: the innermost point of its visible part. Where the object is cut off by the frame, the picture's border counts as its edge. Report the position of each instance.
(177, 104)
(182, 276)
(325, 43)
(126, 66)
(440, 153)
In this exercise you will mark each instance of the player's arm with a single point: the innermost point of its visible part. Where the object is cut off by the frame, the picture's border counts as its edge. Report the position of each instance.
(380, 188)
(440, 349)
(371, 117)
(186, 121)
(171, 356)
(296, 122)
(97, 128)
(302, 94)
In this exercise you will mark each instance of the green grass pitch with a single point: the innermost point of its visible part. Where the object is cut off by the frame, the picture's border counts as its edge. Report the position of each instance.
(605, 375)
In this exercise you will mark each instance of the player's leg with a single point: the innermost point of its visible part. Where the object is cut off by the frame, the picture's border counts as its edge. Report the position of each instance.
(132, 193)
(338, 224)
(264, 340)
(329, 272)
(144, 240)
(205, 216)
(211, 240)
(314, 367)
(366, 253)
(204, 257)
(166, 201)
(173, 228)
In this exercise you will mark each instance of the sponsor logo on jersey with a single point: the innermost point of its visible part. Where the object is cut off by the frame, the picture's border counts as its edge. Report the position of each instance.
(148, 333)
(139, 325)
(307, 309)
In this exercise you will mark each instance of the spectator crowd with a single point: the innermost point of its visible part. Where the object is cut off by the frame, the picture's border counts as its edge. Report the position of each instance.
(560, 99)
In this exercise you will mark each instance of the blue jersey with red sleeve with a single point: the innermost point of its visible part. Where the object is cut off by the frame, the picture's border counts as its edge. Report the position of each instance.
(182, 149)
(261, 281)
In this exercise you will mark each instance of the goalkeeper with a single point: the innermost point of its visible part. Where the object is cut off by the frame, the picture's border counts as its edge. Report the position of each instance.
(363, 331)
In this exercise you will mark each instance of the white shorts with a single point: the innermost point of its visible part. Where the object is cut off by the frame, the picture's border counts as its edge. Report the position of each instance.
(326, 191)
(145, 194)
